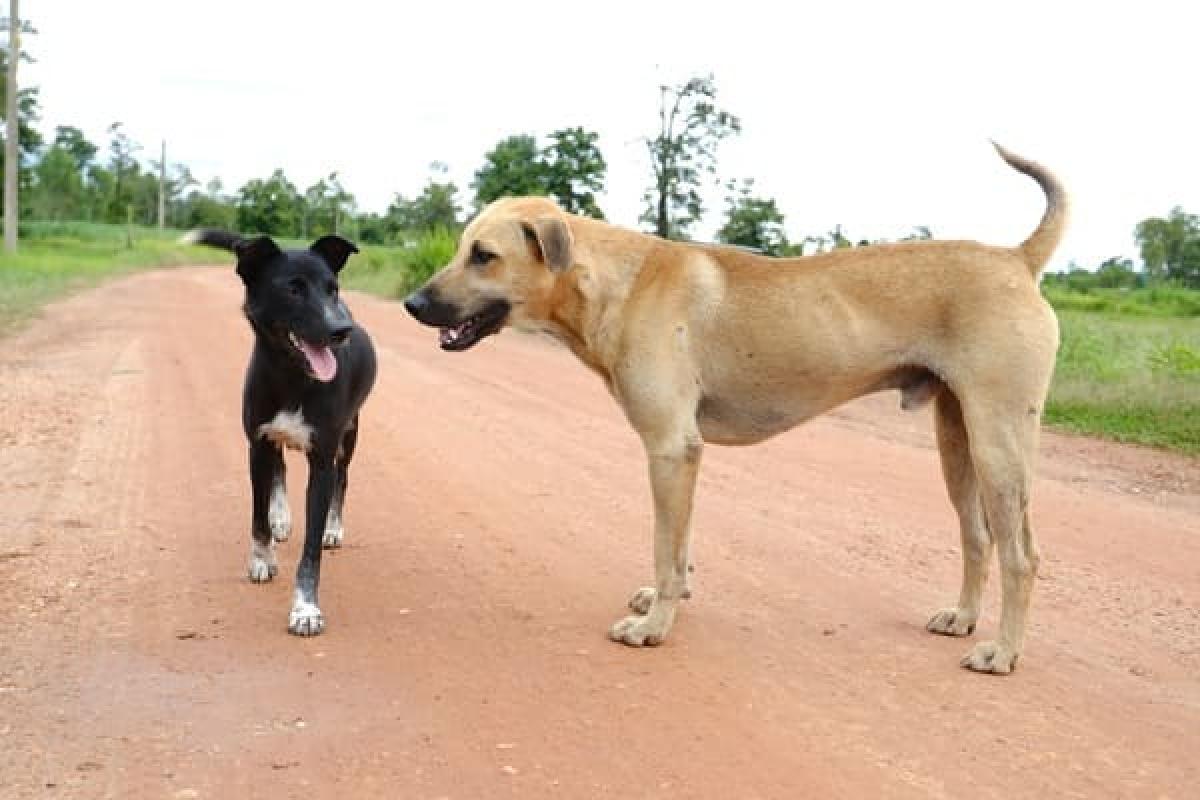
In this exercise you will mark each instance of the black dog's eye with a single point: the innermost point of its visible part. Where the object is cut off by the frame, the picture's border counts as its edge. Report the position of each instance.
(480, 257)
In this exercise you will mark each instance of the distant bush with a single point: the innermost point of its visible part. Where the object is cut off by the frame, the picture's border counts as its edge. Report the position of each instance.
(395, 270)
(1176, 359)
(427, 254)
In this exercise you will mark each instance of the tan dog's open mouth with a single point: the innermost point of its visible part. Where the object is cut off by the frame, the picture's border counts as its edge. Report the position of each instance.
(475, 327)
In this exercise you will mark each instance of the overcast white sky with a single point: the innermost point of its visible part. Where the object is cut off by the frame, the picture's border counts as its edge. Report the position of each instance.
(872, 115)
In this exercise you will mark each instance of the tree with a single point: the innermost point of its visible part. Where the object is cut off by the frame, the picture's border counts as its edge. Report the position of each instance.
(179, 180)
(100, 189)
(123, 166)
(1170, 246)
(311, 201)
(71, 139)
(754, 222)
(58, 191)
(682, 152)
(434, 208)
(272, 206)
(574, 169)
(323, 205)
(206, 210)
(570, 169)
(1116, 273)
(512, 168)
(920, 233)
(143, 190)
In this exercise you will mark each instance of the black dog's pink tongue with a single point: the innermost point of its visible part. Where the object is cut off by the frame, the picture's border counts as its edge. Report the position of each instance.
(320, 360)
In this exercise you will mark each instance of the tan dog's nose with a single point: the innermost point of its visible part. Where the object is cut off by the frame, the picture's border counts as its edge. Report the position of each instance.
(417, 304)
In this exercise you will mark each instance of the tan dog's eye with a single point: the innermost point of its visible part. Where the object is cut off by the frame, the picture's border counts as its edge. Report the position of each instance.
(480, 257)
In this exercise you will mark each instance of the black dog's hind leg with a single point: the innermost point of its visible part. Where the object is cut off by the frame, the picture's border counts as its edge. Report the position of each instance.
(334, 527)
(266, 466)
(306, 618)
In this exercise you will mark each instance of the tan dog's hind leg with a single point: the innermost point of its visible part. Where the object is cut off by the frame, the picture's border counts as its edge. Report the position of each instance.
(1002, 449)
(674, 461)
(963, 488)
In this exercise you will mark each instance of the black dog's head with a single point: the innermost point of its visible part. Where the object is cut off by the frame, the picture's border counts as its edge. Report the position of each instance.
(292, 297)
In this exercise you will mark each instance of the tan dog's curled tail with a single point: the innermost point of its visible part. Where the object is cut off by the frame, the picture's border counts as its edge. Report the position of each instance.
(1040, 245)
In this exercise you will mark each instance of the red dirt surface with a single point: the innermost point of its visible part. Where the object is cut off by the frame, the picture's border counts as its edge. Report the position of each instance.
(497, 520)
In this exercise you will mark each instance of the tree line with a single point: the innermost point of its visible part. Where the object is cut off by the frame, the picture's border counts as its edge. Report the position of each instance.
(71, 178)
(1170, 251)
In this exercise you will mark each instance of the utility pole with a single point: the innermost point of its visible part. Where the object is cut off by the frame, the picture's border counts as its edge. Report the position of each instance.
(12, 163)
(162, 186)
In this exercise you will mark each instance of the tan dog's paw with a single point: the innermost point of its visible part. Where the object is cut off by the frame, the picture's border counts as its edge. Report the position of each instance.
(990, 657)
(638, 631)
(952, 622)
(642, 599)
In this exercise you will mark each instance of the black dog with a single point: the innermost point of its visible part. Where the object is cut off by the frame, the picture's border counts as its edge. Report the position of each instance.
(311, 369)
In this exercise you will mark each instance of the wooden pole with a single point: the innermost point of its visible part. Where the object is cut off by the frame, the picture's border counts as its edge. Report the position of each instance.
(12, 158)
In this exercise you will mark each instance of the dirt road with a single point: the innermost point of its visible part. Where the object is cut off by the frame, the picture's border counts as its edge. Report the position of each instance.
(498, 518)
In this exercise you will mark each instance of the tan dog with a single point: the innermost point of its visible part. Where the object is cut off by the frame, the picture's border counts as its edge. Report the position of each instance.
(714, 344)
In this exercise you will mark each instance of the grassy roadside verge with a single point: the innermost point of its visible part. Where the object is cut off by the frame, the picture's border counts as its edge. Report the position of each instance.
(56, 258)
(1131, 378)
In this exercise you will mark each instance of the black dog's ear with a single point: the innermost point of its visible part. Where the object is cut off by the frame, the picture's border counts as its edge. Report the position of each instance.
(253, 253)
(553, 240)
(335, 250)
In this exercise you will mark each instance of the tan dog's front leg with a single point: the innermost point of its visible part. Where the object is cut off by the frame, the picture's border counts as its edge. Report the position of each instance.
(674, 462)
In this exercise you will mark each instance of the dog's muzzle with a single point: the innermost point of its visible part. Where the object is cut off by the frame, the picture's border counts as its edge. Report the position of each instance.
(427, 309)
(458, 331)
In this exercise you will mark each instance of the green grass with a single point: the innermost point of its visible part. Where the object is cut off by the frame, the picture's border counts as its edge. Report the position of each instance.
(53, 259)
(1130, 377)
(1153, 301)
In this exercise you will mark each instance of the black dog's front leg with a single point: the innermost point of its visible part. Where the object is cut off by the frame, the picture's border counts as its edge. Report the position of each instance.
(266, 464)
(306, 618)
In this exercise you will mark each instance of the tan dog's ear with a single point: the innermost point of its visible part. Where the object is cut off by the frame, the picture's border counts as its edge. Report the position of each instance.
(553, 240)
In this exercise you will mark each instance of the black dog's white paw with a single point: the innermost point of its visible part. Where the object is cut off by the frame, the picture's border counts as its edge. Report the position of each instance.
(334, 531)
(262, 563)
(306, 620)
(279, 515)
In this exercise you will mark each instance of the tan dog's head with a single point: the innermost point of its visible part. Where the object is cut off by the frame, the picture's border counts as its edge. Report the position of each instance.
(505, 272)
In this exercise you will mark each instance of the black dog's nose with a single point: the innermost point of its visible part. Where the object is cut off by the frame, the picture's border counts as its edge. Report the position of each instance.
(417, 303)
(340, 334)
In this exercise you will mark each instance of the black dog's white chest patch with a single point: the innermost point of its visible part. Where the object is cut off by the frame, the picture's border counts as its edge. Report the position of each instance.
(288, 429)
